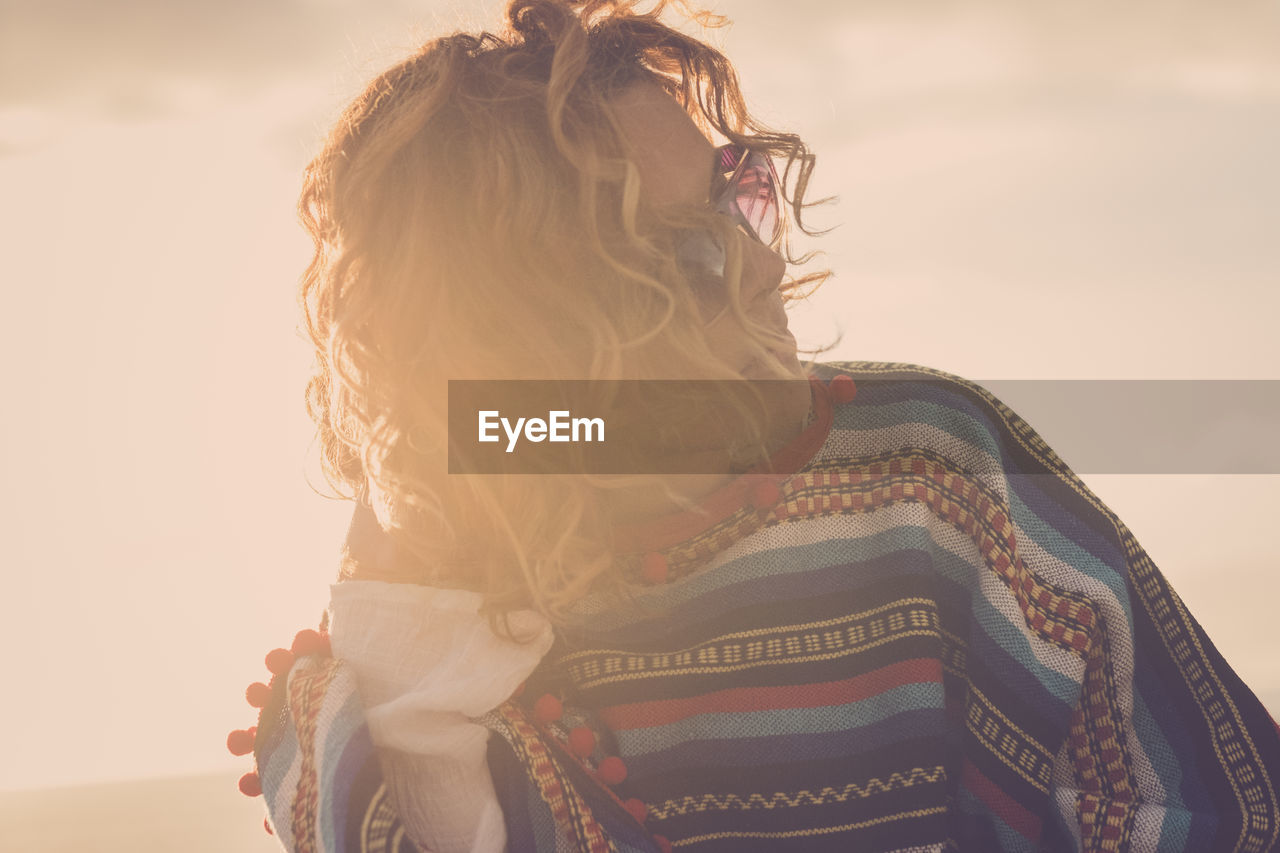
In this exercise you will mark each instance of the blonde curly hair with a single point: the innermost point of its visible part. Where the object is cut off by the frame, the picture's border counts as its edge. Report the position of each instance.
(475, 214)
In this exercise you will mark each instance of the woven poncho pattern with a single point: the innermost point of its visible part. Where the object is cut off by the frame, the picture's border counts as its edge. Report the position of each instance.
(935, 638)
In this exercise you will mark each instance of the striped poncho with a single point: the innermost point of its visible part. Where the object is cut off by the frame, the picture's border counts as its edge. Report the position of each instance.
(925, 633)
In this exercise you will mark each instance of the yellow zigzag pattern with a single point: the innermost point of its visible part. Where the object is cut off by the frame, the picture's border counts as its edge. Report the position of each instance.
(705, 802)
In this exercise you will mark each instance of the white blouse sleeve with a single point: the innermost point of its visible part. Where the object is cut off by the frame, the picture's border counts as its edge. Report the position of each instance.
(426, 663)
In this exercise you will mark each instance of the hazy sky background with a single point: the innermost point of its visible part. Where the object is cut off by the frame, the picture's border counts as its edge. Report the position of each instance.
(1075, 191)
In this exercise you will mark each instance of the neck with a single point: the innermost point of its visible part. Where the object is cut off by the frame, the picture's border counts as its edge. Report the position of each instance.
(646, 501)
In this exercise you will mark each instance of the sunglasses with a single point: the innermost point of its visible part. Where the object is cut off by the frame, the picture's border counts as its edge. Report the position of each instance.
(750, 195)
(745, 188)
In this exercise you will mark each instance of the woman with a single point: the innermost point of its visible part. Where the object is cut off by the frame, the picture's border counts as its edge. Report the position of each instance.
(885, 617)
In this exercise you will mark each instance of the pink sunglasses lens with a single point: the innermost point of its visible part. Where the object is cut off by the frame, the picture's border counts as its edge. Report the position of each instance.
(757, 197)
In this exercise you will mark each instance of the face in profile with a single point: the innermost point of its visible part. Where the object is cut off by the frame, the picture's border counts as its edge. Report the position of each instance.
(676, 164)
(679, 166)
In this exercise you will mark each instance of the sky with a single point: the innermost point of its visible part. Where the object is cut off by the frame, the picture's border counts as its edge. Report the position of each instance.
(1075, 192)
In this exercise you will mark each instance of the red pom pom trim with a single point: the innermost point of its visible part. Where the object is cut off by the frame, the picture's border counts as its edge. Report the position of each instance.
(240, 742)
(638, 809)
(842, 388)
(582, 741)
(612, 771)
(547, 709)
(279, 661)
(663, 844)
(654, 568)
(309, 642)
(258, 694)
(765, 494)
(251, 785)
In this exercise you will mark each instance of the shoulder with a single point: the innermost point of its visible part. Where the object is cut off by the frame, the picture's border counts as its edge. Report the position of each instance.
(900, 401)
(899, 373)
(885, 383)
